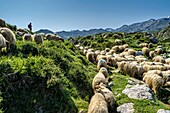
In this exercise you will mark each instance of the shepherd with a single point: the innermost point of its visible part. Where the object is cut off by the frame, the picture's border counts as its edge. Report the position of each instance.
(30, 26)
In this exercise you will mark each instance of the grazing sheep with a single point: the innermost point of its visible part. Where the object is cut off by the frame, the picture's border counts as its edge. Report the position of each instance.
(90, 50)
(150, 45)
(143, 45)
(103, 52)
(48, 35)
(112, 52)
(85, 52)
(121, 48)
(101, 63)
(158, 59)
(125, 46)
(91, 56)
(9, 36)
(151, 54)
(98, 104)
(131, 52)
(167, 61)
(100, 78)
(118, 41)
(158, 51)
(115, 48)
(99, 57)
(24, 31)
(107, 49)
(154, 81)
(2, 23)
(38, 38)
(2, 42)
(145, 51)
(28, 37)
(109, 98)
(120, 65)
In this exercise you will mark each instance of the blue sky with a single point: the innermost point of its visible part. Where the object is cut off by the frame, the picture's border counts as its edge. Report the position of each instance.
(58, 15)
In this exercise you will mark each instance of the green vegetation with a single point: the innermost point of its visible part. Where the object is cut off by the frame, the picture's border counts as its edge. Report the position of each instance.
(56, 77)
(52, 77)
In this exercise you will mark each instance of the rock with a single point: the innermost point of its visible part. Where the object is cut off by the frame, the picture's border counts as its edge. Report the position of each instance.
(126, 108)
(138, 90)
(163, 111)
(153, 40)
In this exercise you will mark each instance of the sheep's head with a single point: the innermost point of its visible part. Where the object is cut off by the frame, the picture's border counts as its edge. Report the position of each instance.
(104, 71)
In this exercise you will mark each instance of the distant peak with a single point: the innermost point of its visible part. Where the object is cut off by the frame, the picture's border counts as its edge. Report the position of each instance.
(152, 19)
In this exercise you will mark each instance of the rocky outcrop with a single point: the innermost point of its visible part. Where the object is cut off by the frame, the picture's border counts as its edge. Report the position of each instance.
(138, 90)
(125, 108)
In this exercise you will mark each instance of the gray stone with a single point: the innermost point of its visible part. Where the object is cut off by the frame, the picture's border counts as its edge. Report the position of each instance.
(138, 90)
(163, 111)
(126, 108)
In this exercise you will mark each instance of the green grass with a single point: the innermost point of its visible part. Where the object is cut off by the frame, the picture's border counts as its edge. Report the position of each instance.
(140, 106)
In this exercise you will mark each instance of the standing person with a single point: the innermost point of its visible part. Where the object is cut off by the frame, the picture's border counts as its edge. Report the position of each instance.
(30, 26)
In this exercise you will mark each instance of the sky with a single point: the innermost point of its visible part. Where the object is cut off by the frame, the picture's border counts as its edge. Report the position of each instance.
(59, 15)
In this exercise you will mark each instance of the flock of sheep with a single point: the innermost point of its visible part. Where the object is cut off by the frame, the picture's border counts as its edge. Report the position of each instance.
(155, 73)
(7, 36)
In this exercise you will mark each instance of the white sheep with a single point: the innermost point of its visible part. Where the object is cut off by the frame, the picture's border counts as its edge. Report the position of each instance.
(98, 104)
(38, 38)
(9, 36)
(2, 42)
(28, 37)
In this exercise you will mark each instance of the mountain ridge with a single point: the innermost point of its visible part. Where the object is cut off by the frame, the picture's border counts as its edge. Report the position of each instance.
(150, 25)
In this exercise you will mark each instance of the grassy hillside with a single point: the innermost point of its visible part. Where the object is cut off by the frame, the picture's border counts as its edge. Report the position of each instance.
(52, 77)
(101, 41)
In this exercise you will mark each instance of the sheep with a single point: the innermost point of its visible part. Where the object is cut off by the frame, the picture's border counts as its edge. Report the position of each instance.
(101, 63)
(28, 37)
(158, 59)
(121, 48)
(112, 52)
(118, 41)
(24, 31)
(90, 50)
(143, 45)
(145, 51)
(120, 65)
(150, 45)
(109, 60)
(151, 54)
(103, 52)
(115, 48)
(100, 78)
(167, 61)
(2, 42)
(155, 81)
(99, 57)
(107, 49)
(109, 98)
(125, 46)
(38, 38)
(131, 52)
(77, 46)
(9, 36)
(2, 23)
(158, 51)
(98, 104)
(90, 56)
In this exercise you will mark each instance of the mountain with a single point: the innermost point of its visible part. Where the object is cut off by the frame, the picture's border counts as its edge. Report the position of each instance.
(46, 31)
(76, 33)
(146, 26)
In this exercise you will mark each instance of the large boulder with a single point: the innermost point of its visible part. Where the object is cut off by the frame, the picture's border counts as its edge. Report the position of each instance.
(138, 90)
(163, 111)
(125, 108)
